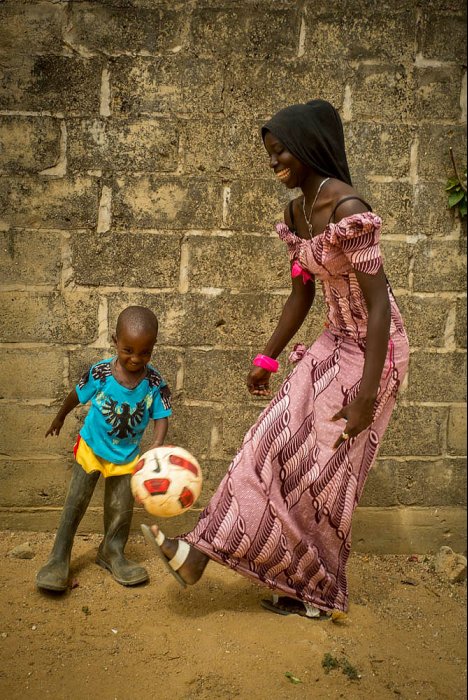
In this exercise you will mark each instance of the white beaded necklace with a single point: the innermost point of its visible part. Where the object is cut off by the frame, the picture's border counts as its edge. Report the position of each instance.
(308, 219)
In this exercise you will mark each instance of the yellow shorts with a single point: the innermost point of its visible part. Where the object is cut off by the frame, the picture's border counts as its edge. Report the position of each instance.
(92, 463)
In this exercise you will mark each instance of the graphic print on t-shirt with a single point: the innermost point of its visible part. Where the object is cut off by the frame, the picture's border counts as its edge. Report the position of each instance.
(122, 418)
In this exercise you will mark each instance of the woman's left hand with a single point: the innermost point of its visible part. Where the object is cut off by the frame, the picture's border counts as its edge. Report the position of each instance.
(258, 381)
(358, 415)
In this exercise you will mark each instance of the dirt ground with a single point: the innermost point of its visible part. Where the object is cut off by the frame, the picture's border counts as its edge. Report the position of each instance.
(404, 636)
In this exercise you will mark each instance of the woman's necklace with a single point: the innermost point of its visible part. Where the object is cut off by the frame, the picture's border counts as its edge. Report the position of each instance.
(308, 219)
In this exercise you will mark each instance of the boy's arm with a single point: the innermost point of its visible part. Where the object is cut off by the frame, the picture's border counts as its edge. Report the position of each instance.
(68, 405)
(160, 430)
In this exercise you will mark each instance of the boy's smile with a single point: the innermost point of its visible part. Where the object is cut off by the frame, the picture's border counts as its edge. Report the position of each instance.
(134, 349)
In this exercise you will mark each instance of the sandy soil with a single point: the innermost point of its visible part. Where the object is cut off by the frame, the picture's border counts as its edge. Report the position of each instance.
(404, 636)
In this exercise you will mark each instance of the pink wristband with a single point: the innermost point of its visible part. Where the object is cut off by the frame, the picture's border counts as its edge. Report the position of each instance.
(266, 362)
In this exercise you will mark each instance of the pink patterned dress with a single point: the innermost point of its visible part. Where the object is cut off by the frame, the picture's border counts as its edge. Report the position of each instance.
(282, 514)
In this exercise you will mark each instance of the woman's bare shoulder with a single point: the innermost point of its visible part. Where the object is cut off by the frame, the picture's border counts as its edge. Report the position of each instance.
(292, 207)
(346, 201)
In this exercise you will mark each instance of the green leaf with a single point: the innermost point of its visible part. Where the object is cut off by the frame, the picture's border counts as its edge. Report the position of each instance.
(451, 182)
(455, 197)
(292, 678)
(462, 209)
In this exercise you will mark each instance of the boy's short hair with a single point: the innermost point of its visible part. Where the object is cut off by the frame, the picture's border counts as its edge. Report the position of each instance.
(138, 319)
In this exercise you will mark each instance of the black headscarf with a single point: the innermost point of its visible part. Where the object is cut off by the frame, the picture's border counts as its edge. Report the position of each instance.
(313, 133)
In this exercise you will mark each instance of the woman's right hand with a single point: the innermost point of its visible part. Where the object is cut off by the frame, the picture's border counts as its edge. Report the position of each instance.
(258, 381)
(56, 427)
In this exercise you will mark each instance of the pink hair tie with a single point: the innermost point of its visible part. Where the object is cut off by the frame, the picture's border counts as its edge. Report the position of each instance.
(266, 362)
(297, 270)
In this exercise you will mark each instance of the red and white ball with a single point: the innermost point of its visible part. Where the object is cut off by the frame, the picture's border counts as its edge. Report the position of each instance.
(167, 481)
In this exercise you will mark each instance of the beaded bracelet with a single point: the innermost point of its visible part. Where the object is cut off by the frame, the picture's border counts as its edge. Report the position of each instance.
(267, 363)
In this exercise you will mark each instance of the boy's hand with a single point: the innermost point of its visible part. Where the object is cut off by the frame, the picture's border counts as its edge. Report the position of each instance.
(157, 443)
(56, 427)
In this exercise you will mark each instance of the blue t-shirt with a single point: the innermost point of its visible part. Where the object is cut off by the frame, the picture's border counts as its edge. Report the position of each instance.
(118, 416)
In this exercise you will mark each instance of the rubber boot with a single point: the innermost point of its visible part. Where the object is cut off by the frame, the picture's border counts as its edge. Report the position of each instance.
(54, 575)
(118, 511)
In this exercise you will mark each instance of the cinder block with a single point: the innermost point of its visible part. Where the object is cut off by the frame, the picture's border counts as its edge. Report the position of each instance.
(213, 471)
(148, 201)
(31, 483)
(217, 375)
(31, 443)
(383, 93)
(32, 28)
(432, 216)
(409, 530)
(125, 259)
(39, 139)
(267, 87)
(222, 30)
(392, 201)
(239, 262)
(425, 319)
(415, 430)
(460, 323)
(379, 149)
(434, 161)
(434, 377)
(456, 432)
(31, 374)
(237, 419)
(49, 203)
(437, 93)
(233, 320)
(432, 483)
(381, 485)
(443, 35)
(35, 317)
(349, 34)
(396, 258)
(112, 29)
(230, 147)
(133, 145)
(256, 205)
(64, 84)
(439, 266)
(30, 257)
(196, 428)
(166, 85)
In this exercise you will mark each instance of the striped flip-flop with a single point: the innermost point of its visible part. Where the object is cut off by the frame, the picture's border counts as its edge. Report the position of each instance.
(290, 606)
(172, 565)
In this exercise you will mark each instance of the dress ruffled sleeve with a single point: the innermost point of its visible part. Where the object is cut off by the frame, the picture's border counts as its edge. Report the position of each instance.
(289, 238)
(358, 236)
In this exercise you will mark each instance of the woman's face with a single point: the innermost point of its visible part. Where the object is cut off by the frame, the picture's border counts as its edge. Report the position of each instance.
(288, 169)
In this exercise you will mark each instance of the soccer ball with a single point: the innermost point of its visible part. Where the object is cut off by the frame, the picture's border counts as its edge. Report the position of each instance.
(167, 481)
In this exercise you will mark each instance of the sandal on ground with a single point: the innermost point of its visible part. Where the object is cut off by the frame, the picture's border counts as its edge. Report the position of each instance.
(178, 560)
(290, 606)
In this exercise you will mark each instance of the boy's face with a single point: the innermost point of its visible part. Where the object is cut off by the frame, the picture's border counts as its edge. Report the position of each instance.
(134, 349)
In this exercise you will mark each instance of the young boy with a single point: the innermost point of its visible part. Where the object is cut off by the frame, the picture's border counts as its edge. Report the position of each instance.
(125, 392)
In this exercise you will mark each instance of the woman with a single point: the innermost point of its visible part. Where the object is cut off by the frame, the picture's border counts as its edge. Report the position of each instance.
(282, 514)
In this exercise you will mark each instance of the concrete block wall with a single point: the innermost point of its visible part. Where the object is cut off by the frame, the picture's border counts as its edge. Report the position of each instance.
(132, 171)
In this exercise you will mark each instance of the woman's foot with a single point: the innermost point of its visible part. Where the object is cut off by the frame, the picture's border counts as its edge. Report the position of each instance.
(283, 605)
(184, 562)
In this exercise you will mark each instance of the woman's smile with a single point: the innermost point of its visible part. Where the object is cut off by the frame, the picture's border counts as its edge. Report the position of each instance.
(283, 174)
